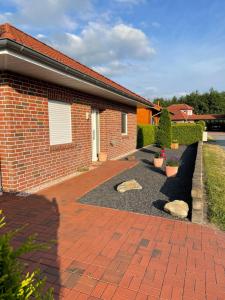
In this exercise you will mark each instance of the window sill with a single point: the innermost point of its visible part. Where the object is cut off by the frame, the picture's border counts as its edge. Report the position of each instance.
(125, 135)
(61, 147)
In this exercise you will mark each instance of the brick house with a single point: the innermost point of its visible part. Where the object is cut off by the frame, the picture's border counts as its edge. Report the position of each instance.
(57, 115)
(181, 113)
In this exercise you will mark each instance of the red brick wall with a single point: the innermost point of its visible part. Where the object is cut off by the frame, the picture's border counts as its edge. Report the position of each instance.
(27, 159)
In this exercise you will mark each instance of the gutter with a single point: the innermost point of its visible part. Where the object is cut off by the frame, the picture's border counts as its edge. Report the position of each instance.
(6, 44)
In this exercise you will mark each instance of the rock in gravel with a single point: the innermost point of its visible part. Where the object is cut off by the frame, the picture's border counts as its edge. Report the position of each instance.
(129, 185)
(177, 208)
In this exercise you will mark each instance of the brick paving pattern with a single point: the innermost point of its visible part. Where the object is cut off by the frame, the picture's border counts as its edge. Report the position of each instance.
(101, 253)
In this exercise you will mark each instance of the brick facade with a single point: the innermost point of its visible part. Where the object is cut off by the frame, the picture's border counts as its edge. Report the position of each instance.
(27, 159)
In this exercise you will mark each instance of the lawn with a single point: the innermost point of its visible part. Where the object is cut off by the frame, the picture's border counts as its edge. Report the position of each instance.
(214, 163)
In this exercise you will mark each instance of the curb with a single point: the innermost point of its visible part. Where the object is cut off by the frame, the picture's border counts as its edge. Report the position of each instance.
(197, 191)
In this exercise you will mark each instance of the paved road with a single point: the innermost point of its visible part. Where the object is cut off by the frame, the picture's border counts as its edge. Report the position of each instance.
(219, 137)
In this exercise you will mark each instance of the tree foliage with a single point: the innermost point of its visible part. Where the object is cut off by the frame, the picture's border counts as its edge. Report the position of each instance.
(164, 130)
(212, 102)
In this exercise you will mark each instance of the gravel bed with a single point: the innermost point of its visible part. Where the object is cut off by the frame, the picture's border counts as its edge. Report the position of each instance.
(157, 188)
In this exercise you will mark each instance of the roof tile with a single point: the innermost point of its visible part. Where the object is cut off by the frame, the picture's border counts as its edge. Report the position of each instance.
(7, 31)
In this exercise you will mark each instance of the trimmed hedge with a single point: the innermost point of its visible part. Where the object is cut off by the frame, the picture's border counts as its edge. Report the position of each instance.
(202, 123)
(146, 135)
(187, 134)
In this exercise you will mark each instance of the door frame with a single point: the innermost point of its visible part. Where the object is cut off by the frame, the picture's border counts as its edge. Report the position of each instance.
(95, 129)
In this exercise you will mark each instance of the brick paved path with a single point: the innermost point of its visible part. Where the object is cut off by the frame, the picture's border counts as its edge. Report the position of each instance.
(102, 253)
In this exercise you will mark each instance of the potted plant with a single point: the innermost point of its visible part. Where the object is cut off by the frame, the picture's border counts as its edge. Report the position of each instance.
(172, 166)
(174, 144)
(158, 160)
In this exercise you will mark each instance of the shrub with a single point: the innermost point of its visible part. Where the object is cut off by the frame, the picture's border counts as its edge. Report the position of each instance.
(173, 162)
(14, 283)
(164, 129)
(145, 135)
(187, 134)
(202, 123)
(158, 154)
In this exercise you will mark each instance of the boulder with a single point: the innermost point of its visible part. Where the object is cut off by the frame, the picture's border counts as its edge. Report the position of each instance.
(177, 208)
(129, 185)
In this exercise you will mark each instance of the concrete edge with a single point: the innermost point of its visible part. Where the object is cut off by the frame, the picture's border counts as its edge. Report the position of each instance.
(197, 191)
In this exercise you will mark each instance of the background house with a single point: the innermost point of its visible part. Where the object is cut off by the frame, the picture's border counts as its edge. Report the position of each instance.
(57, 115)
(181, 113)
(148, 115)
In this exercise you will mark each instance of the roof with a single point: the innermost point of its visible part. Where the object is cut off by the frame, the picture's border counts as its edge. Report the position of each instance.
(181, 116)
(7, 31)
(176, 107)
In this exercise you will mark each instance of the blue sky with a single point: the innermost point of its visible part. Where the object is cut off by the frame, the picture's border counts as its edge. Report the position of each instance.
(154, 47)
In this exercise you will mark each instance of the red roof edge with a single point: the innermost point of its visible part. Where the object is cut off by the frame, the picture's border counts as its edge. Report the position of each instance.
(8, 31)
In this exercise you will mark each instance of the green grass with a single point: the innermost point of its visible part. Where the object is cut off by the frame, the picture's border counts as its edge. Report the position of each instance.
(214, 166)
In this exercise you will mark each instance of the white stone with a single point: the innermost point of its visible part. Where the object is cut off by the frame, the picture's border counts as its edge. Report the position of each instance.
(177, 208)
(129, 185)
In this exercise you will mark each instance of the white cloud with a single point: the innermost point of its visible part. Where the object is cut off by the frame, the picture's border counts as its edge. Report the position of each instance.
(40, 36)
(130, 2)
(49, 13)
(5, 17)
(109, 49)
(115, 68)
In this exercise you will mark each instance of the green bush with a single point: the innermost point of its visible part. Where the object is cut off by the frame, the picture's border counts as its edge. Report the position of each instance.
(15, 284)
(164, 130)
(202, 123)
(145, 135)
(187, 134)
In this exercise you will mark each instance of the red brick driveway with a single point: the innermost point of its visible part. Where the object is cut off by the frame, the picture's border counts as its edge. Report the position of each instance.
(106, 254)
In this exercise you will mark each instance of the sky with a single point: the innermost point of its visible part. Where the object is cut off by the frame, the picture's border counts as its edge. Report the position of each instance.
(157, 48)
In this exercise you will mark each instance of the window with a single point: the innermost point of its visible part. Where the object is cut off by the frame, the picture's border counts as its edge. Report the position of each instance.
(59, 114)
(124, 123)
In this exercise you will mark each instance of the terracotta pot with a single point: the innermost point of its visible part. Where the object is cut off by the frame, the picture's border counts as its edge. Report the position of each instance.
(158, 162)
(174, 146)
(171, 171)
(102, 156)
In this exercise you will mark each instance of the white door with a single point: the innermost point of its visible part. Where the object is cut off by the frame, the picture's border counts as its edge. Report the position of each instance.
(95, 134)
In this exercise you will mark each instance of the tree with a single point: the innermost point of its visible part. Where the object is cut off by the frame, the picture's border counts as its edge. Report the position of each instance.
(212, 102)
(164, 131)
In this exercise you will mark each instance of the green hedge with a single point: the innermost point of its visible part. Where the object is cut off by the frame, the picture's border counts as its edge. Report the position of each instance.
(146, 135)
(187, 134)
(202, 123)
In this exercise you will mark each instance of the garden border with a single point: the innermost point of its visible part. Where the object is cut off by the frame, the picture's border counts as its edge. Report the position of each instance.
(197, 191)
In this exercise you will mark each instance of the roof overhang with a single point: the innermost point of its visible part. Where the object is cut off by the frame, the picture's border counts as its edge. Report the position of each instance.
(16, 58)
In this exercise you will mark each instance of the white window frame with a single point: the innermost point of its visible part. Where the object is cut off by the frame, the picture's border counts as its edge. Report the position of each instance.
(126, 129)
(60, 122)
